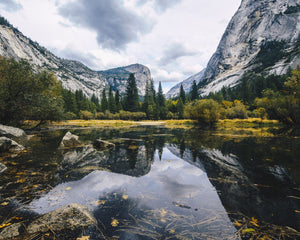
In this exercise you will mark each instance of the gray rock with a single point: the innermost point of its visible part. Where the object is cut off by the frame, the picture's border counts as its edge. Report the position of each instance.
(5, 144)
(70, 217)
(11, 231)
(8, 145)
(70, 140)
(2, 167)
(102, 145)
(12, 132)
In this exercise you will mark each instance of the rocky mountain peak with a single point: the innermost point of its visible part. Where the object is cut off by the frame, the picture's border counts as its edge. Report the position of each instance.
(73, 74)
(263, 36)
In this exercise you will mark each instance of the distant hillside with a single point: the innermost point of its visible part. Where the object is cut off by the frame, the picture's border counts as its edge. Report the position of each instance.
(73, 74)
(186, 84)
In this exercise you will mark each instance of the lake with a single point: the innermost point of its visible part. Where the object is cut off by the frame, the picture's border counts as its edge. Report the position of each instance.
(160, 183)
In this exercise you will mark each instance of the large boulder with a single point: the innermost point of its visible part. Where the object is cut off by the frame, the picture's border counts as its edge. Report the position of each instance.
(12, 132)
(69, 141)
(70, 220)
(8, 145)
(102, 145)
(71, 217)
(11, 231)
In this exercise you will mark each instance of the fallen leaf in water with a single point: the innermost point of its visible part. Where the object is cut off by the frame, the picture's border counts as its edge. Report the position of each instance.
(4, 204)
(114, 222)
(249, 230)
(163, 220)
(132, 147)
(98, 202)
(266, 238)
(67, 176)
(163, 212)
(254, 222)
(13, 163)
(68, 188)
(297, 211)
(84, 238)
(35, 186)
(21, 180)
(4, 225)
(125, 197)
(238, 224)
(171, 231)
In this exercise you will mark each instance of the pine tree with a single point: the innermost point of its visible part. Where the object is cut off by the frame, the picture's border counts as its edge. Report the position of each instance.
(104, 103)
(118, 101)
(131, 96)
(95, 100)
(182, 94)
(194, 92)
(180, 108)
(161, 103)
(111, 101)
(146, 99)
(70, 104)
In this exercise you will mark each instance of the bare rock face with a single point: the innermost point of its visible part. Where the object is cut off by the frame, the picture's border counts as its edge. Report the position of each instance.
(69, 140)
(73, 74)
(259, 30)
(186, 84)
(255, 25)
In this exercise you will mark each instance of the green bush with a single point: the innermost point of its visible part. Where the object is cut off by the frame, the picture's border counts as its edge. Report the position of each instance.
(136, 116)
(206, 111)
(86, 115)
(70, 116)
(238, 110)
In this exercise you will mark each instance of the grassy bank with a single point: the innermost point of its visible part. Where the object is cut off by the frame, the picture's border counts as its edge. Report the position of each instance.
(226, 124)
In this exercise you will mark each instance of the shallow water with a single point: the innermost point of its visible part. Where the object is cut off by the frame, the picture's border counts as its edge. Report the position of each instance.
(159, 183)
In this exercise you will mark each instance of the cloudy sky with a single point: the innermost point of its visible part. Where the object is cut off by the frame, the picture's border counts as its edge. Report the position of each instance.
(174, 38)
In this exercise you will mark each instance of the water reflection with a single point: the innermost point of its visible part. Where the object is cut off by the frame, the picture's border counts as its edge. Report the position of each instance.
(173, 191)
(169, 183)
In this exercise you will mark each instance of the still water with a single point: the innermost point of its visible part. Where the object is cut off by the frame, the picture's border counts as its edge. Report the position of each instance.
(159, 183)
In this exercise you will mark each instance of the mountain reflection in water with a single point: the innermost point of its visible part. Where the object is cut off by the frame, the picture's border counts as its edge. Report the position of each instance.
(171, 189)
(173, 183)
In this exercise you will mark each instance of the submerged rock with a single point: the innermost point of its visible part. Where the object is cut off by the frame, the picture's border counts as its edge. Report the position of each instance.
(12, 132)
(70, 217)
(70, 140)
(8, 145)
(2, 167)
(102, 145)
(11, 231)
(71, 220)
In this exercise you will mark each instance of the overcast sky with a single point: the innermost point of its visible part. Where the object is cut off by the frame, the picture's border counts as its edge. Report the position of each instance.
(174, 38)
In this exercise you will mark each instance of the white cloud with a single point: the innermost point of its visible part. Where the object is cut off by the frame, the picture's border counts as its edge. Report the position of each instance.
(195, 25)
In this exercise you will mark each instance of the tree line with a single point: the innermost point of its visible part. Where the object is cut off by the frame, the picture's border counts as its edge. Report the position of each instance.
(26, 94)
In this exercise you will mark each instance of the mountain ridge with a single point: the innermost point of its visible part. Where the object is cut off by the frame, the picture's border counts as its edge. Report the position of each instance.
(262, 36)
(73, 74)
